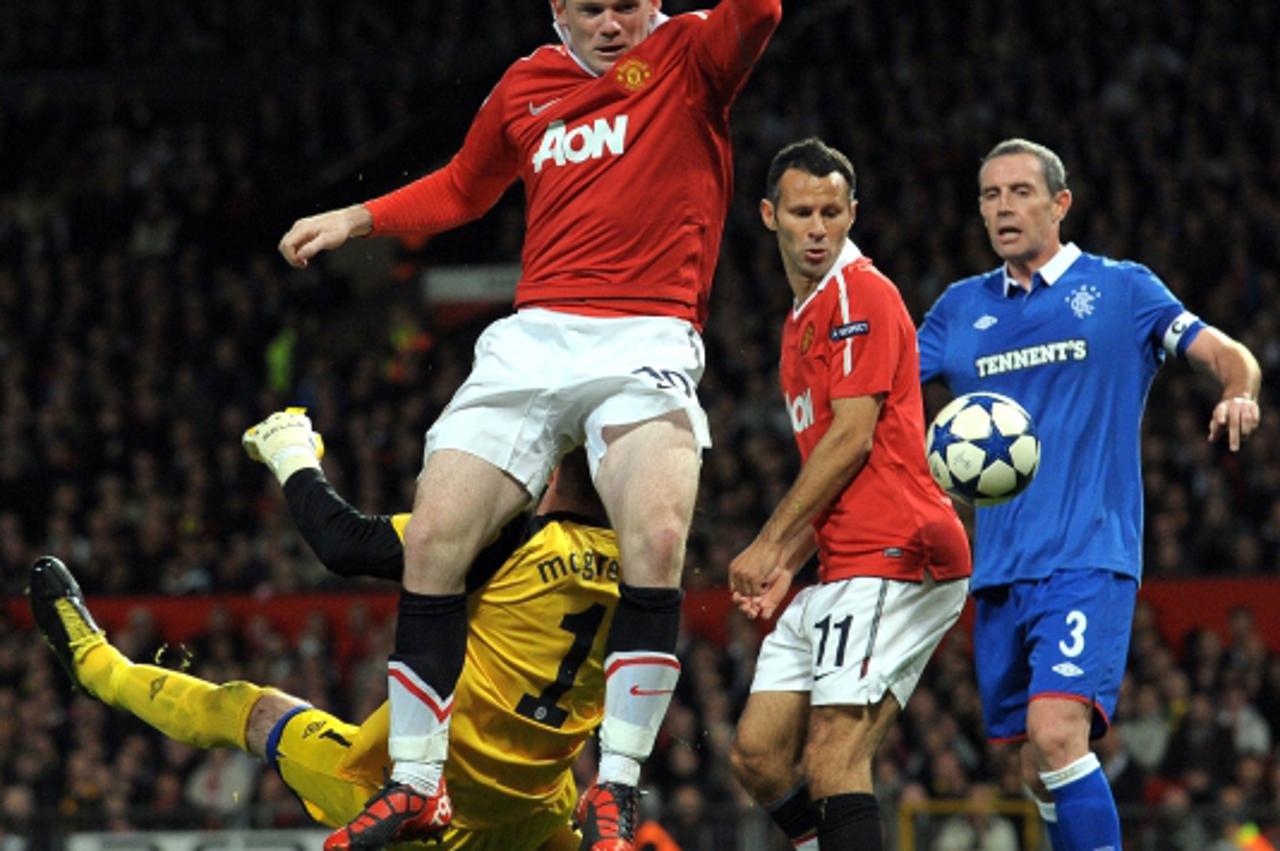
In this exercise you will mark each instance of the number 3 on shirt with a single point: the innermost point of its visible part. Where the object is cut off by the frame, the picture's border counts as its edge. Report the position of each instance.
(1076, 623)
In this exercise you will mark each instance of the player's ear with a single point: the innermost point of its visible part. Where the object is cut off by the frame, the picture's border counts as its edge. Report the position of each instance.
(1061, 203)
(853, 214)
(558, 11)
(768, 214)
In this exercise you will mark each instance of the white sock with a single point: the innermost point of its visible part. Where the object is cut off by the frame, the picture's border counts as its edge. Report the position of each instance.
(619, 768)
(637, 691)
(423, 776)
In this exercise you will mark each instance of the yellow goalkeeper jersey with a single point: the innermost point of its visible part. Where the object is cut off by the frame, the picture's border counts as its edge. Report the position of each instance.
(532, 688)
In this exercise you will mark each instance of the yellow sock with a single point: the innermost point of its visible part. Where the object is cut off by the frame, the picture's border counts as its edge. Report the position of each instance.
(184, 708)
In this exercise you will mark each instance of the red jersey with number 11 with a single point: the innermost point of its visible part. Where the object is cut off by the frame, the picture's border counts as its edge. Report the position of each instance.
(853, 337)
(627, 175)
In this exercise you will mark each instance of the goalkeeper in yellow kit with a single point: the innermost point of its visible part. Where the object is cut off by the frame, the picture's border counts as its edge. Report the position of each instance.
(531, 692)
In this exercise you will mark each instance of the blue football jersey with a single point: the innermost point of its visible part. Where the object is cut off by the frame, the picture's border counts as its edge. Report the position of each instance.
(1079, 352)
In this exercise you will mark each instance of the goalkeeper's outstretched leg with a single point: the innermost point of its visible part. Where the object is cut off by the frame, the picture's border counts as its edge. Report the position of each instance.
(184, 708)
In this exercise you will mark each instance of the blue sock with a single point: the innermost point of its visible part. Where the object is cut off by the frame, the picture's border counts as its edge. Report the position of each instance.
(1086, 810)
(1049, 817)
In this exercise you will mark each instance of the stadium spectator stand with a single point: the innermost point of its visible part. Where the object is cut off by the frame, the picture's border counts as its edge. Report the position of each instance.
(155, 152)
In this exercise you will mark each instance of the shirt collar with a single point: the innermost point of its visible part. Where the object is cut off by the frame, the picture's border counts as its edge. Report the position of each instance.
(563, 32)
(1050, 272)
(848, 254)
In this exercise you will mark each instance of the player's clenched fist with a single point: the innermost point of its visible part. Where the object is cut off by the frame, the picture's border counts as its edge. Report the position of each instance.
(309, 236)
(285, 442)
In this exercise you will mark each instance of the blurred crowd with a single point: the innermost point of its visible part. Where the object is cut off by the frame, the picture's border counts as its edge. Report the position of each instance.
(157, 152)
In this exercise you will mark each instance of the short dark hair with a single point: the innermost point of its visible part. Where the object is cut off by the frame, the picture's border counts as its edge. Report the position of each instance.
(573, 478)
(812, 156)
(1055, 173)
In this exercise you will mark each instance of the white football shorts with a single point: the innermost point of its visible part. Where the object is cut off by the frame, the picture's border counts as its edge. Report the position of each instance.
(544, 382)
(848, 642)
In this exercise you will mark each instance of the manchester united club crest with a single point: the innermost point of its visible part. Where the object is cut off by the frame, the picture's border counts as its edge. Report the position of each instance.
(632, 74)
(806, 338)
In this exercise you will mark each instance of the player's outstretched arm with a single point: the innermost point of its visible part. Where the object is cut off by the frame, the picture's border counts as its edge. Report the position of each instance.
(1236, 370)
(346, 541)
(324, 232)
(737, 34)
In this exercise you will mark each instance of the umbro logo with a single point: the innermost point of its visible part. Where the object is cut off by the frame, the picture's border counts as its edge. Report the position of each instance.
(1068, 669)
(985, 322)
(535, 111)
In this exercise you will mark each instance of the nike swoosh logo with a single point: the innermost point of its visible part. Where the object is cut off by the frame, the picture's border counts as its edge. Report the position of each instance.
(535, 111)
(636, 691)
(823, 675)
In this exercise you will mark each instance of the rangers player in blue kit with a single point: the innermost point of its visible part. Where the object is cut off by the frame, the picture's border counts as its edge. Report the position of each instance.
(1076, 339)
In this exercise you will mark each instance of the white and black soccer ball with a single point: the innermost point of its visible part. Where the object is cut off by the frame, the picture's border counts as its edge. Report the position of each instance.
(983, 448)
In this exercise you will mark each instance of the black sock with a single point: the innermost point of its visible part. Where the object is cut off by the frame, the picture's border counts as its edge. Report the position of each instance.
(431, 638)
(646, 619)
(793, 813)
(849, 822)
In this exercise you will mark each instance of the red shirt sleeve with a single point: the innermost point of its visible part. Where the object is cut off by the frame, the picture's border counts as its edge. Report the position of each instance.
(864, 346)
(735, 35)
(460, 192)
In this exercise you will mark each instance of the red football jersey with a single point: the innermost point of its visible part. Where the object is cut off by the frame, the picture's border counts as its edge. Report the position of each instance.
(627, 175)
(853, 337)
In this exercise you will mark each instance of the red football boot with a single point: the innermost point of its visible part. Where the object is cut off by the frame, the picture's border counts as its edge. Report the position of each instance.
(398, 813)
(606, 815)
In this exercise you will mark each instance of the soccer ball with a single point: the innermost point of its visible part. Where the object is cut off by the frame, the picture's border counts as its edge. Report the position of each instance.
(983, 449)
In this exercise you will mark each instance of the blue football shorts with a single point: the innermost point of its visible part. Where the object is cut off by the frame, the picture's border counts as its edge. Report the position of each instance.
(1064, 636)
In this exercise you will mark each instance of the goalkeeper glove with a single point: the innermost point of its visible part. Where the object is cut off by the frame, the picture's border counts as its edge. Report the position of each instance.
(285, 442)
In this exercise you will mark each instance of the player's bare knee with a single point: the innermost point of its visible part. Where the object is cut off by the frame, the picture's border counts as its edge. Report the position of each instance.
(1056, 744)
(435, 553)
(657, 557)
(266, 712)
(760, 770)
(667, 541)
(429, 532)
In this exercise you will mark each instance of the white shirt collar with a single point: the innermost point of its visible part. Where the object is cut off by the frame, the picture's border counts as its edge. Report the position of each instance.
(563, 32)
(1050, 272)
(848, 254)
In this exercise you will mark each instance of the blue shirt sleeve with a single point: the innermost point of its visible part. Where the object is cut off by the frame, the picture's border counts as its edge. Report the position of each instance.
(931, 339)
(1162, 324)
